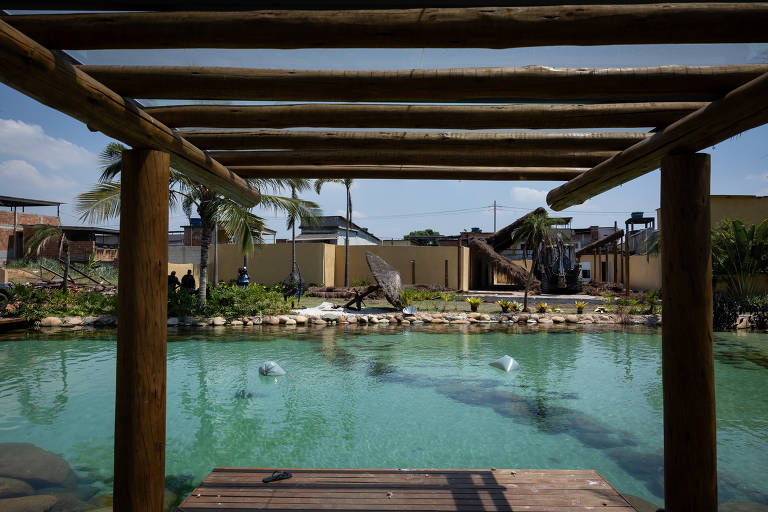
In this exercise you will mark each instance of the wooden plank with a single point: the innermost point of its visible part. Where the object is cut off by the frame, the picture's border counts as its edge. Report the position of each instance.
(744, 108)
(688, 375)
(666, 83)
(51, 79)
(480, 27)
(249, 5)
(412, 490)
(508, 158)
(422, 141)
(412, 172)
(141, 368)
(469, 117)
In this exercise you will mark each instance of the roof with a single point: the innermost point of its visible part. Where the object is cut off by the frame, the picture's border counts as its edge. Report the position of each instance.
(325, 222)
(20, 201)
(315, 237)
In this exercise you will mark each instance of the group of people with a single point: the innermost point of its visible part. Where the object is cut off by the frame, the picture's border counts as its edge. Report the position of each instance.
(187, 282)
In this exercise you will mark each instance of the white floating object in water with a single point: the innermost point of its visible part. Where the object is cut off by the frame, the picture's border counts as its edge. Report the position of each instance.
(410, 310)
(271, 369)
(506, 363)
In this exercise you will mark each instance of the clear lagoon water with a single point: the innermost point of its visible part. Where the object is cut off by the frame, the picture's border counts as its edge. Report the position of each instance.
(394, 398)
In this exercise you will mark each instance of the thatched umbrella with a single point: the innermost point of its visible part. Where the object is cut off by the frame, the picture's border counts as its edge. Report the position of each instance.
(387, 277)
(516, 274)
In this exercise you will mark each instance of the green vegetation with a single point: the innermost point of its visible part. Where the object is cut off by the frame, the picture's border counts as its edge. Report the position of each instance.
(579, 306)
(422, 232)
(32, 304)
(474, 302)
(231, 301)
(505, 305)
(361, 282)
(542, 307)
(44, 233)
(739, 252)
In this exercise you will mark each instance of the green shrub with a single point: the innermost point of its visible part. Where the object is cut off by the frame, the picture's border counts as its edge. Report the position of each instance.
(231, 301)
(33, 304)
(361, 282)
(181, 303)
(408, 296)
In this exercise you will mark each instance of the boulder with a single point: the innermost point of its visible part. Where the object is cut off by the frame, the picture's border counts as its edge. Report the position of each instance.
(283, 318)
(51, 321)
(485, 318)
(330, 317)
(532, 321)
(236, 323)
(270, 320)
(523, 317)
(545, 320)
(300, 319)
(37, 467)
(255, 319)
(372, 319)
(173, 321)
(219, 320)
(71, 321)
(473, 315)
(558, 319)
(572, 319)
(12, 488)
(69, 503)
(405, 322)
(106, 320)
(290, 321)
(459, 321)
(39, 503)
(362, 319)
(89, 320)
(317, 320)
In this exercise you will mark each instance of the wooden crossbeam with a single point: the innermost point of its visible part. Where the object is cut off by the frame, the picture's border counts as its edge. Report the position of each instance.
(741, 109)
(248, 5)
(413, 172)
(51, 79)
(481, 27)
(469, 117)
(425, 141)
(666, 83)
(410, 157)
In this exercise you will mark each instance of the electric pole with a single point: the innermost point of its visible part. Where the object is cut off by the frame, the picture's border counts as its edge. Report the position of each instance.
(494, 215)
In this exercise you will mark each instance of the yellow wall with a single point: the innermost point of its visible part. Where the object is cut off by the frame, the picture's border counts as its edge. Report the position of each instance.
(271, 263)
(429, 261)
(748, 209)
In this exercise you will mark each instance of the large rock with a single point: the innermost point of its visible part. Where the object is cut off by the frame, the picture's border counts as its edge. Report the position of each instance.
(572, 319)
(51, 321)
(300, 319)
(12, 488)
(69, 503)
(71, 321)
(37, 467)
(40, 503)
(219, 320)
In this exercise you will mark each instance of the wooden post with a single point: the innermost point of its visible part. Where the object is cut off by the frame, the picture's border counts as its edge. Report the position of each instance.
(141, 333)
(615, 262)
(627, 255)
(606, 276)
(690, 462)
(446, 273)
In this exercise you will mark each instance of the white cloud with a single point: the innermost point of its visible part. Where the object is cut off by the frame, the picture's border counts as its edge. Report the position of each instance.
(23, 178)
(763, 182)
(28, 142)
(528, 195)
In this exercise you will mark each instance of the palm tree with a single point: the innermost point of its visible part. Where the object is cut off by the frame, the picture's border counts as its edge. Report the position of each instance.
(347, 182)
(537, 234)
(102, 202)
(41, 235)
(739, 252)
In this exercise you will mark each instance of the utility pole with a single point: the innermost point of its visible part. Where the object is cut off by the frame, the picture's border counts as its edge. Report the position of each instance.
(494, 215)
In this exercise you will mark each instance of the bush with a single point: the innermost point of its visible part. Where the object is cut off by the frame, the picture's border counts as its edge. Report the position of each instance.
(33, 304)
(725, 312)
(232, 301)
(181, 303)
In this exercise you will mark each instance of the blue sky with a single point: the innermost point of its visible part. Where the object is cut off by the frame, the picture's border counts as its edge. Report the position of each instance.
(47, 155)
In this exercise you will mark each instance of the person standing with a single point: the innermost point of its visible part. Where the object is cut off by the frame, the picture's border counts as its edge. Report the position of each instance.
(173, 282)
(188, 282)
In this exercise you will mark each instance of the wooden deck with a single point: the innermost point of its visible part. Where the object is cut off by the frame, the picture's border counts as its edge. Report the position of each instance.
(7, 324)
(240, 489)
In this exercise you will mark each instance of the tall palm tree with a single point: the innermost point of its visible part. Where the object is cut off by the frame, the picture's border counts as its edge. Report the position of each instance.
(102, 202)
(738, 253)
(537, 234)
(44, 233)
(347, 182)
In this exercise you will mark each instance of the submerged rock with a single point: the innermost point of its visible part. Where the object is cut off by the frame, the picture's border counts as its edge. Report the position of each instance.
(12, 488)
(37, 467)
(40, 503)
(51, 321)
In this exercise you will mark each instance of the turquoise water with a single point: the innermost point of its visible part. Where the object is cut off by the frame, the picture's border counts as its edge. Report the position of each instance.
(392, 398)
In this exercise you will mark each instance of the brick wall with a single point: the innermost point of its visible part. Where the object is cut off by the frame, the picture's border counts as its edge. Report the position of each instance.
(6, 228)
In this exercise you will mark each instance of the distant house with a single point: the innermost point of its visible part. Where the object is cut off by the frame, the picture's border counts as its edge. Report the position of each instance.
(193, 233)
(12, 223)
(332, 229)
(84, 242)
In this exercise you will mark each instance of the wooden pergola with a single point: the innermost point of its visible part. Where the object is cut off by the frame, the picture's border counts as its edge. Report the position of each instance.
(691, 108)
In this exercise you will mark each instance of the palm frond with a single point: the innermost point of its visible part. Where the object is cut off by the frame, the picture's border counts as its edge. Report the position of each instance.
(41, 234)
(110, 161)
(239, 223)
(99, 204)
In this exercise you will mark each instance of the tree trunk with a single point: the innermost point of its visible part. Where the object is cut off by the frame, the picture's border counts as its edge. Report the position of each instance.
(527, 286)
(205, 244)
(66, 266)
(346, 239)
(293, 235)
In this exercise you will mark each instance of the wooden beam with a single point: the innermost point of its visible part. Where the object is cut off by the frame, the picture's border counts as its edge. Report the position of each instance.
(666, 83)
(51, 79)
(141, 332)
(480, 27)
(411, 172)
(424, 141)
(690, 445)
(249, 5)
(469, 117)
(744, 108)
(392, 157)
